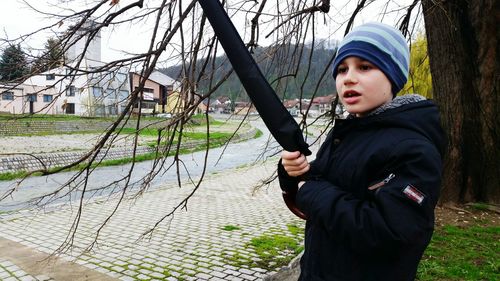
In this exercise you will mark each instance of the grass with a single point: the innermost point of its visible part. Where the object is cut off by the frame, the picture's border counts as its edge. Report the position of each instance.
(198, 119)
(42, 117)
(275, 250)
(294, 229)
(462, 253)
(185, 134)
(142, 132)
(29, 119)
(105, 163)
(258, 134)
(12, 175)
(51, 133)
(230, 228)
(467, 252)
(115, 162)
(218, 140)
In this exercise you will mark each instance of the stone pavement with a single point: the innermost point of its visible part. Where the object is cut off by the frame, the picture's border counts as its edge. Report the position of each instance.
(215, 237)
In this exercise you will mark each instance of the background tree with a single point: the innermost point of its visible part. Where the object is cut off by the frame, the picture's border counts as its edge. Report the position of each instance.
(13, 64)
(420, 79)
(52, 56)
(463, 41)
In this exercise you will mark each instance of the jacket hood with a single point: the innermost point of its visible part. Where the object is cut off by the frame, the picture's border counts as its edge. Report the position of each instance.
(412, 112)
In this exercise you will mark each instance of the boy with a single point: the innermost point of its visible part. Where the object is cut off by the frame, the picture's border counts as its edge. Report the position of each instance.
(370, 193)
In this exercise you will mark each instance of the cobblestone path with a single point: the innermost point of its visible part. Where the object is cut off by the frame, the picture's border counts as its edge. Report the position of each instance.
(211, 239)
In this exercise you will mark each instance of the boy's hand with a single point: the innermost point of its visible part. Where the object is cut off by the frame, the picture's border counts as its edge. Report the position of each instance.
(295, 163)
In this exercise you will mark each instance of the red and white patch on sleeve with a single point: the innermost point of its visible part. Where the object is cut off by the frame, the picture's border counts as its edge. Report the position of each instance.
(414, 194)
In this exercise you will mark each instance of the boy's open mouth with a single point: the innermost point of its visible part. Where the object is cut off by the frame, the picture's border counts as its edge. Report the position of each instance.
(349, 94)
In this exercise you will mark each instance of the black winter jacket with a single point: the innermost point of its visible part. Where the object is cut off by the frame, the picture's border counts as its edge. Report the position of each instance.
(371, 193)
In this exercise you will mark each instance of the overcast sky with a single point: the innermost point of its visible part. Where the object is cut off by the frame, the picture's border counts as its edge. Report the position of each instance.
(17, 19)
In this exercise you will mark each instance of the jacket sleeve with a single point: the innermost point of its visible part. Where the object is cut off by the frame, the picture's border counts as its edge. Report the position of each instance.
(398, 213)
(287, 182)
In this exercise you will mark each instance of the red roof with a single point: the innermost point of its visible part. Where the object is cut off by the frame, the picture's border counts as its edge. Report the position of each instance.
(290, 103)
(324, 99)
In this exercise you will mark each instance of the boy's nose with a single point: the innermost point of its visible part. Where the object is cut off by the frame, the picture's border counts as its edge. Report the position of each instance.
(350, 77)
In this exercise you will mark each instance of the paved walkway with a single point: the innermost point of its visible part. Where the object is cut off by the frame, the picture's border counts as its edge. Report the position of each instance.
(210, 240)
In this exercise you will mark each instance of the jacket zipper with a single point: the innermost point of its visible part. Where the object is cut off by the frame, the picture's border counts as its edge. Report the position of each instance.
(382, 183)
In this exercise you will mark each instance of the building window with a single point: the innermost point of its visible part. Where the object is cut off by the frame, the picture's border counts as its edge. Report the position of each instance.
(121, 77)
(123, 96)
(112, 109)
(7, 96)
(70, 91)
(47, 98)
(31, 98)
(97, 92)
(69, 108)
(50, 76)
(110, 93)
(147, 94)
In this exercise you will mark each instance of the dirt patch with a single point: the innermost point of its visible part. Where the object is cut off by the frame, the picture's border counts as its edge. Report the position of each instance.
(466, 215)
(35, 263)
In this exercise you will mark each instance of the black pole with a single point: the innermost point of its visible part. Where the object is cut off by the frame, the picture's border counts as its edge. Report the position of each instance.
(274, 114)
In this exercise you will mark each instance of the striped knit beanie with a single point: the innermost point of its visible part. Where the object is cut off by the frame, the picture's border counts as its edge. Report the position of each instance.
(380, 44)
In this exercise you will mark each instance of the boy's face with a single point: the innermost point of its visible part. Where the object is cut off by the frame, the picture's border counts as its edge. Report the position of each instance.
(362, 86)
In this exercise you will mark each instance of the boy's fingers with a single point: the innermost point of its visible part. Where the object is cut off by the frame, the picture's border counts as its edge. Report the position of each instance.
(290, 155)
(301, 168)
(298, 172)
(295, 165)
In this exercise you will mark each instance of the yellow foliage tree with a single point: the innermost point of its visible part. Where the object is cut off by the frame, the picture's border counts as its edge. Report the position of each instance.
(419, 79)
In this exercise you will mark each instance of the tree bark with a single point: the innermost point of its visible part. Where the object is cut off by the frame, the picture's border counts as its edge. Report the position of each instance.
(463, 45)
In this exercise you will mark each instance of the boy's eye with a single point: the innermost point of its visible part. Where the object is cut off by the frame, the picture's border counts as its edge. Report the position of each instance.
(341, 69)
(365, 67)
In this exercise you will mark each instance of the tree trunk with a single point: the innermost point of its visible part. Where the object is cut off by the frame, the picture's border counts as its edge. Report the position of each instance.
(463, 45)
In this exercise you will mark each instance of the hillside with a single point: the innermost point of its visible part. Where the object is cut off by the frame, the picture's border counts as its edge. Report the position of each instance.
(290, 62)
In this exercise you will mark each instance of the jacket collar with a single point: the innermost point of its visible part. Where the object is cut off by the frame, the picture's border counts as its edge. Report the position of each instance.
(395, 103)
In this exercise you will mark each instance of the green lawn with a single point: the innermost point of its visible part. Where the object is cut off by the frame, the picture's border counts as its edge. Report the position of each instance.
(464, 251)
(216, 139)
(43, 117)
(198, 118)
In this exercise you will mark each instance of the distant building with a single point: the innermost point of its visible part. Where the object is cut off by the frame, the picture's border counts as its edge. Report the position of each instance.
(159, 95)
(83, 92)
(321, 105)
(314, 108)
(244, 108)
(293, 106)
(22, 99)
(81, 48)
(80, 89)
(222, 105)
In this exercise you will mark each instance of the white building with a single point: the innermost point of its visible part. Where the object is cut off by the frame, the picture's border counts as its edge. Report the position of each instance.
(92, 54)
(84, 92)
(82, 89)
